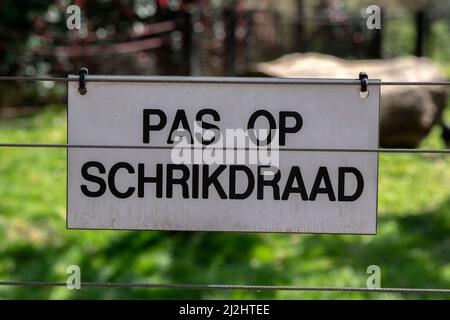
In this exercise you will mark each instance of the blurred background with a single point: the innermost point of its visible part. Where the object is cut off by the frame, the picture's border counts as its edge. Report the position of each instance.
(283, 38)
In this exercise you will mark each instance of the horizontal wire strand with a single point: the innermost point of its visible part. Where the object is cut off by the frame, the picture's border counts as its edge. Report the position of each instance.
(25, 78)
(94, 146)
(261, 80)
(223, 287)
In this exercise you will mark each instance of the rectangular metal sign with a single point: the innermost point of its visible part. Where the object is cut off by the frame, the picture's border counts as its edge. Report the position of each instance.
(225, 156)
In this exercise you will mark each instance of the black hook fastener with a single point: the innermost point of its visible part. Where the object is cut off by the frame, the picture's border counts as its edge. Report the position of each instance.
(82, 81)
(364, 81)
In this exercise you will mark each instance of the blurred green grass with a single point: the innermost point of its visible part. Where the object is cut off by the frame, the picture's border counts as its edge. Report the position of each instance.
(412, 246)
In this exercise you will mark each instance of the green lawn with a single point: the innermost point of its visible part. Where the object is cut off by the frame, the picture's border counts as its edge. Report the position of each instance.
(412, 246)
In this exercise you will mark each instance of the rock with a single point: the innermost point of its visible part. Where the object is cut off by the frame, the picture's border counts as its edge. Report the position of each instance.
(407, 113)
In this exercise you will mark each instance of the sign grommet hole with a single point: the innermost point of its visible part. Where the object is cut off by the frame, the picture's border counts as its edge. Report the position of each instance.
(364, 94)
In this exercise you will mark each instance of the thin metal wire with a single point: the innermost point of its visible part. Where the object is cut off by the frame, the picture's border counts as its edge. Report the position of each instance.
(96, 146)
(222, 287)
(24, 78)
(412, 83)
(262, 80)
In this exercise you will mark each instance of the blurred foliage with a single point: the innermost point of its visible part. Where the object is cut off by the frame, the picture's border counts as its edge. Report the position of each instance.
(29, 25)
(412, 246)
(17, 24)
(29, 93)
(399, 37)
(440, 44)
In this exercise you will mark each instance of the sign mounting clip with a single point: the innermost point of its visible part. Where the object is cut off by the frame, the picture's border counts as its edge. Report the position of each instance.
(82, 81)
(363, 78)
